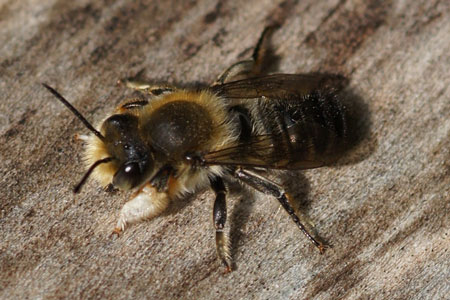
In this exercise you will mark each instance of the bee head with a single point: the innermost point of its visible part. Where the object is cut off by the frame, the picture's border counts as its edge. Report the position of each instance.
(125, 148)
(128, 151)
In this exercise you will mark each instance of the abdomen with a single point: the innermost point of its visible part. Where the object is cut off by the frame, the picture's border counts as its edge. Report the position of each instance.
(305, 132)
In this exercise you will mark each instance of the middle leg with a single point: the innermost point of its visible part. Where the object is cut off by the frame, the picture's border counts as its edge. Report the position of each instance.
(220, 217)
(145, 87)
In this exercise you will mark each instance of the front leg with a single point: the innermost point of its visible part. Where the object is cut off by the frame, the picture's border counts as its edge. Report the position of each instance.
(146, 203)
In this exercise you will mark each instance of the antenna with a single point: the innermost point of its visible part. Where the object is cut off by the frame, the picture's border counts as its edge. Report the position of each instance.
(74, 111)
(77, 188)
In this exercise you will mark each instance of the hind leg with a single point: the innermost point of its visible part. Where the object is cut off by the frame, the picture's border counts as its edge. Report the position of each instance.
(251, 67)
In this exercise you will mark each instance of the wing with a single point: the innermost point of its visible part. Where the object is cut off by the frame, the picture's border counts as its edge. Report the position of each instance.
(275, 151)
(264, 151)
(278, 86)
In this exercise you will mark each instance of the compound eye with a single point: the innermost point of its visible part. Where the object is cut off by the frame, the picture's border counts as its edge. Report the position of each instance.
(128, 176)
(131, 168)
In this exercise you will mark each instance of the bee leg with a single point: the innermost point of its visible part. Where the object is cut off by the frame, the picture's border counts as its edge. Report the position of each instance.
(145, 87)
(146, 203)
(261, 49)
(239, 70)
(129, 104)
(269, 187)
(81, 138)
(252, 67)
(152, 90)
(220, 217)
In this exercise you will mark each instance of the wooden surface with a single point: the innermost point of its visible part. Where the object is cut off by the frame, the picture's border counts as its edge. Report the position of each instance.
(385, 211)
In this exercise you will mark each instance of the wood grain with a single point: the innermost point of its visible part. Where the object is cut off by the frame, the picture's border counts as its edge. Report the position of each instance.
(385, 210)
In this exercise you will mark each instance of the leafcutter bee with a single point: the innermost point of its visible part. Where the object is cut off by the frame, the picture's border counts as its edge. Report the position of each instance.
(246, 123)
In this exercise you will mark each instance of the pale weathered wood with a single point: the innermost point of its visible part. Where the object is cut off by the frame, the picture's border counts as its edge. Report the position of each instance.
(385, 210)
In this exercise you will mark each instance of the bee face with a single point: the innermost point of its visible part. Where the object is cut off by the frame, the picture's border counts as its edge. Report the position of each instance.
(130, 153)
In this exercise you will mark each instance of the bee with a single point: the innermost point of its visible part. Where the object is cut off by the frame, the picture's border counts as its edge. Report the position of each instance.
(177, 141)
